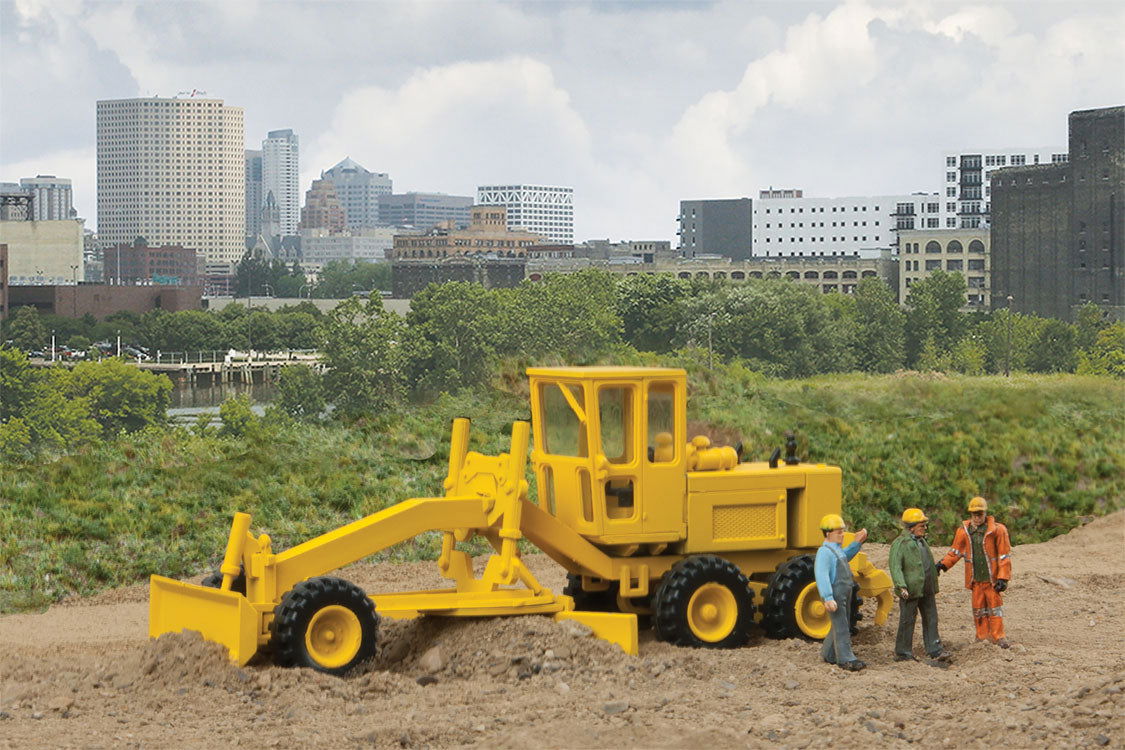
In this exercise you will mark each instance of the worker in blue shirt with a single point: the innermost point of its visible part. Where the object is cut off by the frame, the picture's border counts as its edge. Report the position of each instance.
(835, 583)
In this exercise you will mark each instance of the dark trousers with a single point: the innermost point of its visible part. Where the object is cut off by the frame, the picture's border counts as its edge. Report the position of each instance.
(907, 614)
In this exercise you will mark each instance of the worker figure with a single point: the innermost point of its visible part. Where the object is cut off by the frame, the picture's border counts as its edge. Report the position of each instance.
(915, 580)
(987, 551)
(835, 583)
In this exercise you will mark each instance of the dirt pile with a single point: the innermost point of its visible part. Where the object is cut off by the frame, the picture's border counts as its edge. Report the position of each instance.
(84, 675)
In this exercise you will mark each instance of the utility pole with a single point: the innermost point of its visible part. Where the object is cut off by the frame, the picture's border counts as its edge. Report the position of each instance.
(1008, 347)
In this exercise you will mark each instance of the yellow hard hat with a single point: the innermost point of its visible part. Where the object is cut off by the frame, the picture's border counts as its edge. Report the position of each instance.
(913, 516)
(831, 522)
(978, 503)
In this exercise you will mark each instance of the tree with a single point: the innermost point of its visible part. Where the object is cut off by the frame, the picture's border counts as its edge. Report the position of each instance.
(1107, 355)
(361, 349)
(120, 397)
(649, 309)
(934, 313)
(1054, 349)
(571, 316)
(257, 329)
(186, 330)
(340, 279)
(300, 392)
(36, 413)
(1090, 320)
(880, 338)
(297, 330)
(451, 336)
(26, 330)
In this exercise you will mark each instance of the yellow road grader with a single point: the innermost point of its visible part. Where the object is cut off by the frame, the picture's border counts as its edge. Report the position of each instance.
(645, 522)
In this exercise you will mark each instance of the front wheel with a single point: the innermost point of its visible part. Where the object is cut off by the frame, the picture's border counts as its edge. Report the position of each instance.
(793, 607)
(328, 624)
(704, 601)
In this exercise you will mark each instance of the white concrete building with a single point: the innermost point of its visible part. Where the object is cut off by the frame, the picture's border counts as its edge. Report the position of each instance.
(359, 189)
(966, 202)
(43, 252)
(51, 197)
(173, 171)
(281, 176)
(825, 227)
(371, 245)
(542, 209)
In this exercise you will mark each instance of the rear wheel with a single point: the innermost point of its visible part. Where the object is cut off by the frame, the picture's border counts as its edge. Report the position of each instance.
(793, 607)
(704, 601)
(328, 624)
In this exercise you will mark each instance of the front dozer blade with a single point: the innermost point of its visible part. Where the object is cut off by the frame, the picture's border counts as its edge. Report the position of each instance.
(224, 617)
(615, 627)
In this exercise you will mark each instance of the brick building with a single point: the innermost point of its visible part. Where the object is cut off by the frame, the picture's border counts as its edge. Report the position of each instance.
(170, 265)
(1057, 229)
(323, 209)
(101, 300)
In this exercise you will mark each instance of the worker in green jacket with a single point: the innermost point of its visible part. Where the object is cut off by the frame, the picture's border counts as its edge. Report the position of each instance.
(915, 575)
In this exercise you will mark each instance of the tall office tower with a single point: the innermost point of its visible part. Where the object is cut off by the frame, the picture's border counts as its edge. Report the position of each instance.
(323, 209)
(424, 210)
(359, 190)
(281, 173)
(254, 195)
(717, 227)
(967, 199)
(172, 171)
(548, 211)
(51, 197)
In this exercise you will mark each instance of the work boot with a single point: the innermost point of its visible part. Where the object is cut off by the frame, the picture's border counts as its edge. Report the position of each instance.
(1003, 643)
(942, 655)
(901, 657)
(853, 666)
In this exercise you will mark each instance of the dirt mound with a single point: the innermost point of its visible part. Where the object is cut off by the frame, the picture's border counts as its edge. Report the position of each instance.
(86, 676)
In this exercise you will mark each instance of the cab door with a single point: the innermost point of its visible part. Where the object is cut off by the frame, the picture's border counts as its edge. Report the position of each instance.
(663, 472)
(564, 464)
(619, 483)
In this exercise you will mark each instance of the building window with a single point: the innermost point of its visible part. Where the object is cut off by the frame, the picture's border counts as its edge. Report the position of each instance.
(976, 264)
(933, 265)
(933, 247)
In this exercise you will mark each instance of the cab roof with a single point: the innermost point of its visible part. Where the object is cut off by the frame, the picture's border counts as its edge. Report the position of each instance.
(605, 372)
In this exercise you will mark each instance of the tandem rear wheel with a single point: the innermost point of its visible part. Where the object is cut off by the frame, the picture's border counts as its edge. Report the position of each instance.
(324, 623)
(793, 607)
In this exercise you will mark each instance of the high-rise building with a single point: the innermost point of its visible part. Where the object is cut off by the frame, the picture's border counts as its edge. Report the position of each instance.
(254, 195)
(716, 227)
(359, 190)
(281, 175)
(543, 209)
(172, 171)
(1057, 228)
(967, 199)
(51, 197)
(322, 208)
(424, 210)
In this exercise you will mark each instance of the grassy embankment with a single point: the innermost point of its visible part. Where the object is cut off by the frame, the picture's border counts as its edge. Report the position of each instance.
(1048, 449)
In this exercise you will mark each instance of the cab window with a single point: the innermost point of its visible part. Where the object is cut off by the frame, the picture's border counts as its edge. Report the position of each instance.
(563, 433)
(615, 415)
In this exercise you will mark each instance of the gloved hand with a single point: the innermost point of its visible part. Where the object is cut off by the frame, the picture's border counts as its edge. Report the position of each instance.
(903, 593)
(1000, 585)
(941, 567)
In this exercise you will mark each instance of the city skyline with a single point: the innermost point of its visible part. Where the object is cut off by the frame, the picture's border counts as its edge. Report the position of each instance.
(635, 106)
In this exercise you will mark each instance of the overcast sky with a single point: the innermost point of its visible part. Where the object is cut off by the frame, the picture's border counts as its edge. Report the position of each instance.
(635, 105)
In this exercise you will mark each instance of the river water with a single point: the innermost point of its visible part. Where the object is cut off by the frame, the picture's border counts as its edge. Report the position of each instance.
(188, 401)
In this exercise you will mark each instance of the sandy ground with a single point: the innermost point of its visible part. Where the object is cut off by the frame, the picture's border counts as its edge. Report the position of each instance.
(84, 675)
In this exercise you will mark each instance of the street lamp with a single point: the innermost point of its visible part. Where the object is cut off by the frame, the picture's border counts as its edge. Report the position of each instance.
(74, 278)
(1008, 336)
(52, 344)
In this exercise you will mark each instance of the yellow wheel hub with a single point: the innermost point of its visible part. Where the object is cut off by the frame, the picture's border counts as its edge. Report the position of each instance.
(712, 612)
(333, 636)
(812, 616)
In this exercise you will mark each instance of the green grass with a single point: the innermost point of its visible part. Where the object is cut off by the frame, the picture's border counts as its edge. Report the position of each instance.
(1048, 450)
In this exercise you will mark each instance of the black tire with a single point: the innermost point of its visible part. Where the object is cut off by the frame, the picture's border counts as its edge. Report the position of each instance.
(672, 608)
(304, 602)
(779, 610)
(590, 601)
(215, 581)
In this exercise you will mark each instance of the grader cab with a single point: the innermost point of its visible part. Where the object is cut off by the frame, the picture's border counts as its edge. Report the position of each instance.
(643, 520)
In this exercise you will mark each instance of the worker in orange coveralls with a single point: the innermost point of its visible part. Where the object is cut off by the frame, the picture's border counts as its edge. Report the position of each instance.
(988, 567)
